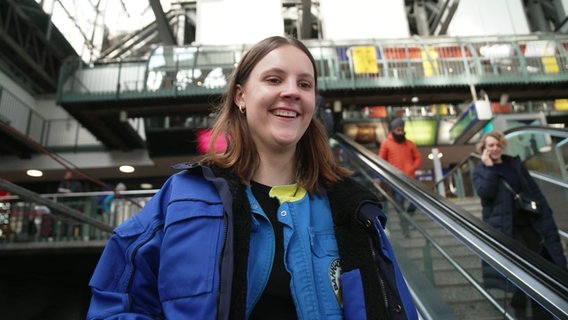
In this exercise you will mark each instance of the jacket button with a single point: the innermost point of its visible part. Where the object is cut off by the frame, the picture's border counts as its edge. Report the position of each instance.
(398, 308)
(283, 213)
(368, 223)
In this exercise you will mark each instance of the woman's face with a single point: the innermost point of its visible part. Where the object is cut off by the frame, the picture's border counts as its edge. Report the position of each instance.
(280, 98)
(493, 147)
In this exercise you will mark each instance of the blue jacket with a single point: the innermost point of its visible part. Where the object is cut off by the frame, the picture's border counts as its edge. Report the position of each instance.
(186, 255)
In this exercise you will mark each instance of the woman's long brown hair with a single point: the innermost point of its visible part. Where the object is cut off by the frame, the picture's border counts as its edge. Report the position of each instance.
(315, 164)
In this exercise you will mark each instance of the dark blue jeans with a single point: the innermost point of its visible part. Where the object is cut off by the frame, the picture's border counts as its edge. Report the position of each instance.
(400, 201)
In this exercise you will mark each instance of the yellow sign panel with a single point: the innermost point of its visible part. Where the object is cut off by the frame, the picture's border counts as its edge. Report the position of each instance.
(561, 104)
(429, 62)
(550, 64)
(365, 60)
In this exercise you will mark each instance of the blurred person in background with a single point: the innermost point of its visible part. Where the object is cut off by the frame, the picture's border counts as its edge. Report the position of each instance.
(404, 155)
(500, 210)
(69, 184)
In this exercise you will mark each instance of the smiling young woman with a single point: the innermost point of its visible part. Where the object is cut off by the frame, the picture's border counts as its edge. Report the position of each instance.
(269, 227)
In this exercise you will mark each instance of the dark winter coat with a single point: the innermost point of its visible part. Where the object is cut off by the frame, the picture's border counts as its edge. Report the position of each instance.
(499, 209)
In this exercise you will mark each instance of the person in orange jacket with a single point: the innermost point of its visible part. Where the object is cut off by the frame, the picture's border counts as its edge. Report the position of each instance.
(404, 155)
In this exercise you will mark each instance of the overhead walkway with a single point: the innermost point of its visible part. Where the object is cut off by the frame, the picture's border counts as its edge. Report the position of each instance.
(441, 260)
(192, 71)
(188, 81)
(160, 102)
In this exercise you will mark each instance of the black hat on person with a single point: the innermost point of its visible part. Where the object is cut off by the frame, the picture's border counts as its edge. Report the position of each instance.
(397, 123)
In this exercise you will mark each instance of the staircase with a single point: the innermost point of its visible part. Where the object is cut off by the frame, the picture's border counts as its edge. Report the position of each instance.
(460, 295)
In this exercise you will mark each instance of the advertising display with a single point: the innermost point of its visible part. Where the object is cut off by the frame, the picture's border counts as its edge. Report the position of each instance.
(422, 132)
(473, 119)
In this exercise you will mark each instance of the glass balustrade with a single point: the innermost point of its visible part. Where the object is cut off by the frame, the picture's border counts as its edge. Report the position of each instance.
(199, 70)
(24, 221)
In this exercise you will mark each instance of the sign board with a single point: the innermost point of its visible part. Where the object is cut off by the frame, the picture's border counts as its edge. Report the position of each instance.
(365, 60)
(471, 121)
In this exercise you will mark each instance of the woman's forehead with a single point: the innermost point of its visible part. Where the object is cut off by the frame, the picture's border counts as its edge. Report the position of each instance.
(491, 140)
(282, 55)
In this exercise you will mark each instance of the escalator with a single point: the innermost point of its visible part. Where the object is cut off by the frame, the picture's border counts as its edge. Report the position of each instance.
(442, 258)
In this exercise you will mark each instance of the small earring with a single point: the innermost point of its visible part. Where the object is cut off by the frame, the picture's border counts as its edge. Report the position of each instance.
(242, 109)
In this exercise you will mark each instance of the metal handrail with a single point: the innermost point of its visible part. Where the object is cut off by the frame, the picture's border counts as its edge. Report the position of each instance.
(542, 281)
(55, 206)
(556, 132)
(429, 62)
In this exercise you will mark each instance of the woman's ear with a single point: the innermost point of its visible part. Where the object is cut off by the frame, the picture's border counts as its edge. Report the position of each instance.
(239, 98)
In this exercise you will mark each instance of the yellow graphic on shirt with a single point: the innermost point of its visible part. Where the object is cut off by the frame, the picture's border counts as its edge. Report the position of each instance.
(288, 193)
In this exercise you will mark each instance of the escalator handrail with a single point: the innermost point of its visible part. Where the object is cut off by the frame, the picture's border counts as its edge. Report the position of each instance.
(543, 281)
(557, 132)
(55, 206)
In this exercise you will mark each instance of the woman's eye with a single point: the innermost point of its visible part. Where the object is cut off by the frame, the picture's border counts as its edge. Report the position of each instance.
(305, 85)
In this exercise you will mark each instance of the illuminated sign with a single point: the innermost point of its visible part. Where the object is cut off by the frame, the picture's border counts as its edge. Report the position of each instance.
(470, 122)
(421, 132)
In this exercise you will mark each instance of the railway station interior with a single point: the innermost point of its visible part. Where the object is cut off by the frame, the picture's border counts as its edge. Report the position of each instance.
(118, 91)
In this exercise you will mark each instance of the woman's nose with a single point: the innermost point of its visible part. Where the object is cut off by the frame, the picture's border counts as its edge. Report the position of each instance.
(290, 88)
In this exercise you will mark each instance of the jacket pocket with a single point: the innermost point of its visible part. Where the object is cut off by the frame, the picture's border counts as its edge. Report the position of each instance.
(327, 269)
(323, 243)
(189, 258)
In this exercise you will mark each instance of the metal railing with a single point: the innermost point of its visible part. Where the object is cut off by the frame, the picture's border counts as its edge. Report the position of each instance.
(53, 134)
(440, 61)
(544, 151)
(442, 259)
(27, 218)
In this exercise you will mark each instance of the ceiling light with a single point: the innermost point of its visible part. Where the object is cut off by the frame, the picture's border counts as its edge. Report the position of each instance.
(34, 173)
(146, 186)
(126, 169)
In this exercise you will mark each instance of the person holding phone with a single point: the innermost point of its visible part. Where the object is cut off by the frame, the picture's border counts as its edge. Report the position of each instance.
(499, 209)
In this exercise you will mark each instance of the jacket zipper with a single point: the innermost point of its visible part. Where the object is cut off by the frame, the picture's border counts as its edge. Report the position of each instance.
(225, 232)
(371, 225)
(133, 253)
(381, 280)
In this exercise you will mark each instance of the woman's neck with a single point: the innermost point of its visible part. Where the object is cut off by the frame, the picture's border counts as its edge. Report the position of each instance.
(276, 170)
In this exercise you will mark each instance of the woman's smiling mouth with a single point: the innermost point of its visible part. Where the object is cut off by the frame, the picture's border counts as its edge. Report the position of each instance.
(285, 113)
